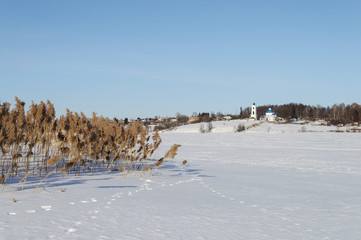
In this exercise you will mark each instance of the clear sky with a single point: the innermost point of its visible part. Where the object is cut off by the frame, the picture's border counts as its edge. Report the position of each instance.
(146, 58)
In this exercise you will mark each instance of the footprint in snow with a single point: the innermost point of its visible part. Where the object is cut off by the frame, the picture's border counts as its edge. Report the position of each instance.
(118, 195)
(103, 237)
(71, 230)
(46, 208)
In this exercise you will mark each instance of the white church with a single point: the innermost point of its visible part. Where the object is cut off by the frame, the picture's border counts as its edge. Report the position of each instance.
(269, 116)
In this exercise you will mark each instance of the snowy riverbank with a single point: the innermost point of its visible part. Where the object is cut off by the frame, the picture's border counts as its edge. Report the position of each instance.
(271, 182)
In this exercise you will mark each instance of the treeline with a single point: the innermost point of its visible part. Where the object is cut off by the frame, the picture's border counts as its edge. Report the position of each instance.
(338, 113)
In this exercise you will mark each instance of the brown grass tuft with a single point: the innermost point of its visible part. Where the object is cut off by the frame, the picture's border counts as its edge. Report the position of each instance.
(69, 165)
(17, 156)
(52, 161)
(173, 151)
(159, 162)
(5, 149)
(2, 178)
(75, 160)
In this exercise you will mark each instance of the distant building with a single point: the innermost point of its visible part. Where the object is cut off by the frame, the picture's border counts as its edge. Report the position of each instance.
(220, 117)
(194, 120)
(270, 116)
(254, 112)
(227, 118)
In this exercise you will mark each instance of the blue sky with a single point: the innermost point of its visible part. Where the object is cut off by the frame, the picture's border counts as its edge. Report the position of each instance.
(146, 58)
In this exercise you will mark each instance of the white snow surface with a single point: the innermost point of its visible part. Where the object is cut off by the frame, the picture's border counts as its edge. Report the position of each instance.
(272, 181)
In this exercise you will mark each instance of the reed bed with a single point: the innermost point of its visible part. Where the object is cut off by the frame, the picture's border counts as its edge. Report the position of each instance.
(36, 143)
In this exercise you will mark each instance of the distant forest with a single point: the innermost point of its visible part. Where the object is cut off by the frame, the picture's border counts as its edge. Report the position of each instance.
(338, 113)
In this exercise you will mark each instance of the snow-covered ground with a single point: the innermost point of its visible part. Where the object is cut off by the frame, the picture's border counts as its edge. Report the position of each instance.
(274, 181)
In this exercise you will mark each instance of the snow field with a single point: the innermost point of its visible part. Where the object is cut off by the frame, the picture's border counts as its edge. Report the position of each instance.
(258, 184)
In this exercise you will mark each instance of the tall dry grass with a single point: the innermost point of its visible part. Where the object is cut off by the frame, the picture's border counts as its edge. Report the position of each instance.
(37, 143)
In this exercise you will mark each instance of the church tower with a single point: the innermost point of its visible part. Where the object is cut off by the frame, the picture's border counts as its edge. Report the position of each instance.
(254, 112)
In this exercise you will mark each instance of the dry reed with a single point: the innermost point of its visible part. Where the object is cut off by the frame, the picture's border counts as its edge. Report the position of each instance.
(37, 143)
(52, 161)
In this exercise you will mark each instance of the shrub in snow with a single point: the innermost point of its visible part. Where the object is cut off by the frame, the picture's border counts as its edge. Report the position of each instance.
(209, 127)
(241, 128)
(201, 129)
